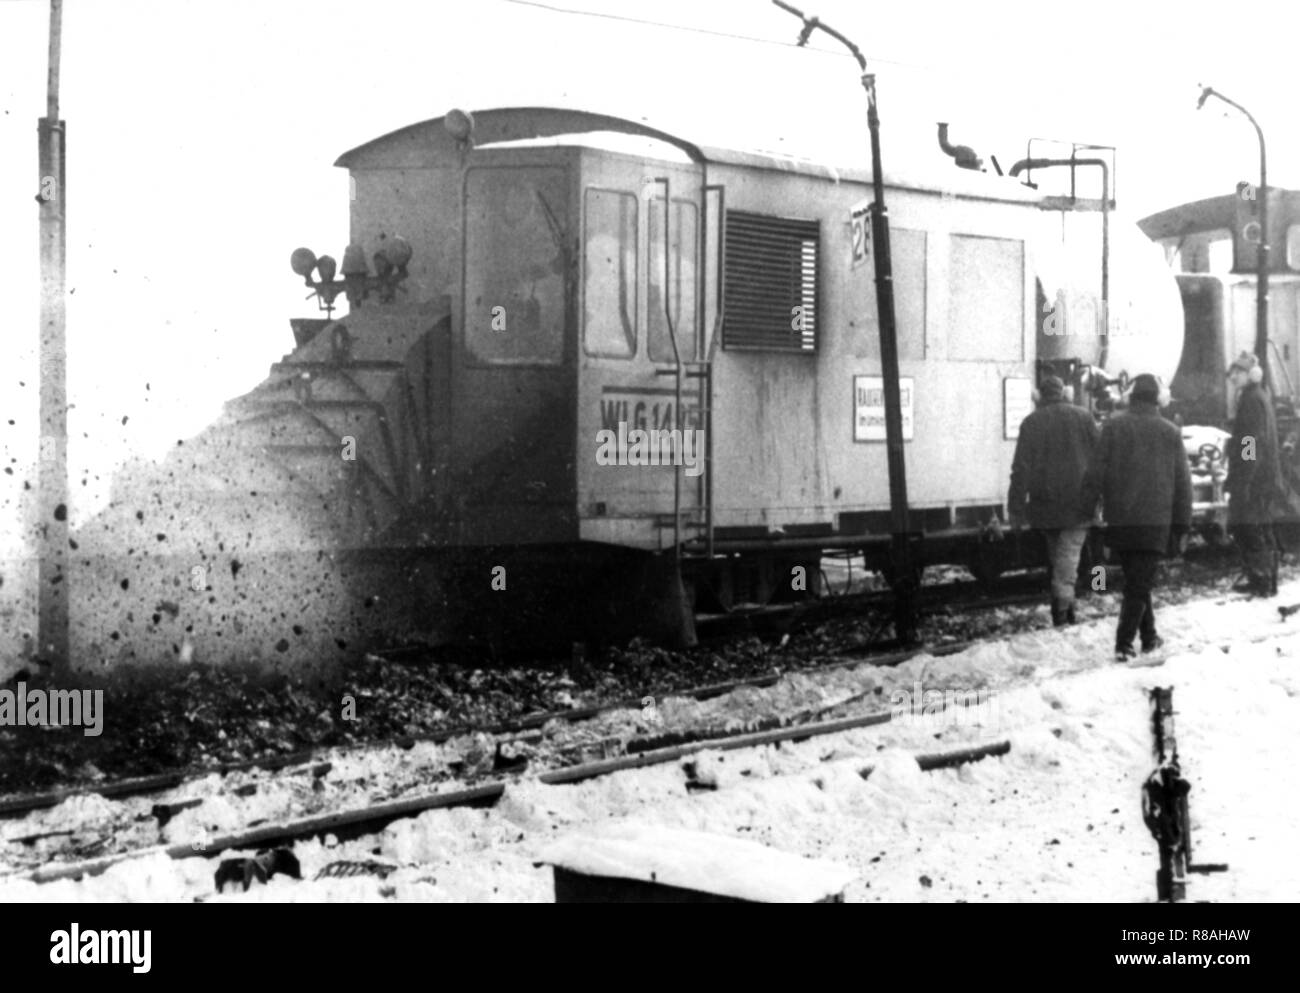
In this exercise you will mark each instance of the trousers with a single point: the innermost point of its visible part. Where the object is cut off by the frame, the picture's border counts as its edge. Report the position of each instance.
(1257, 544)
(1136, 612)
(1063, 548)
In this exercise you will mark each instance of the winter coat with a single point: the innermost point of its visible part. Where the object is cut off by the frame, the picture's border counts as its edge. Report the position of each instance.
(1141, 475)
(1255, 484)
(1052, 454)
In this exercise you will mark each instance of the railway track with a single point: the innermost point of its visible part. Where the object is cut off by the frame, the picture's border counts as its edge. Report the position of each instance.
(961, 596)
(957, 597)
(371, 818)
(140, 786)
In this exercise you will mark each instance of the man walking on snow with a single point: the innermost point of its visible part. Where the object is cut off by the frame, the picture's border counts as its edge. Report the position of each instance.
(1053, 451)
(1141, 475)
(1254, 476)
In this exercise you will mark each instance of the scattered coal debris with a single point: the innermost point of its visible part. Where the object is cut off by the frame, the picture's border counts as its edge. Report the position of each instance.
(260, 869)
(213, 718)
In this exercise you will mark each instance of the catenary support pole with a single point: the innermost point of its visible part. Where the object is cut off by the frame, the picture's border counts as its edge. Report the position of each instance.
(906, 575)
(52, 470)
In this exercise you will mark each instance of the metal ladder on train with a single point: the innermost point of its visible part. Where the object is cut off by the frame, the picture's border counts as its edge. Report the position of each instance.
(696, 517)
(699, 517)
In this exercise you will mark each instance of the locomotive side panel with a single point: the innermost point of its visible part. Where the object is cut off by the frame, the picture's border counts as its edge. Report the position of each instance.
(492, 230)
(637, 439)
(770, 459)
(419, 205)
(513, 379)
(799, 437)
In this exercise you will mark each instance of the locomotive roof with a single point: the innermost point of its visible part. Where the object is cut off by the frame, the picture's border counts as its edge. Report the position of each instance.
(413, 146)
(1212, 214)
(1187, 218)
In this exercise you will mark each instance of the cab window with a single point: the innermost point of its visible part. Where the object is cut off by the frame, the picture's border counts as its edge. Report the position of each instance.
(682, 252)
(609, 294)
(515, 264)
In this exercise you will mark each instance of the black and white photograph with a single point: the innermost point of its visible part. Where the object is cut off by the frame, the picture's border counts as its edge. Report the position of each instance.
(618, 452)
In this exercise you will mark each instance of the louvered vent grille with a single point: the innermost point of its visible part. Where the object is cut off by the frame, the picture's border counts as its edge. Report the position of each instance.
(771, 283)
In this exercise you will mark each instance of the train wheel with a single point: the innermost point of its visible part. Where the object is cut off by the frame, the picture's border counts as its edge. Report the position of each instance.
(986, 570)
(795, 580)
(1216, 535)
(987, 563)
(892, 576)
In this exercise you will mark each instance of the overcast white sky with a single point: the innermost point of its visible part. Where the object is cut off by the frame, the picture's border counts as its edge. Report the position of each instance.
(202, 136)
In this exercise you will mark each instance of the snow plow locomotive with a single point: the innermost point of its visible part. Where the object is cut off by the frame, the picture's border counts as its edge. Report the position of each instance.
(595, 377)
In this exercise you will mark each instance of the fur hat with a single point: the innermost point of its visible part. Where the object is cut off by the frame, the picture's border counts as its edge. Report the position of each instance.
(1146, 387)
(1248, 364)
(1051, 388)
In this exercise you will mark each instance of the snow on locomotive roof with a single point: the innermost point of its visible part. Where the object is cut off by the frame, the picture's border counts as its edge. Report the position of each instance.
(608, 141)
(419, 145)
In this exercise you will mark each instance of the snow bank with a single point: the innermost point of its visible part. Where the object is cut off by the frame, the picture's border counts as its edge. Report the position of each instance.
(1058, 818)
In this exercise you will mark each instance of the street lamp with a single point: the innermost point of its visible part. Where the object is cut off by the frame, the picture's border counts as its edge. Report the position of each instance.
(902, 553)
(1262, 253)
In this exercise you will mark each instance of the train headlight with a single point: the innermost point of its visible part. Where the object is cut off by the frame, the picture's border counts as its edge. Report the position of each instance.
(354, 261)
(398, 252)
(459, 124)
(327, 267)
(303, 261)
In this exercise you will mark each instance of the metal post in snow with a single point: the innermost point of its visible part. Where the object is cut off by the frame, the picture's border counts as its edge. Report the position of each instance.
(52, 471)
(904, 568)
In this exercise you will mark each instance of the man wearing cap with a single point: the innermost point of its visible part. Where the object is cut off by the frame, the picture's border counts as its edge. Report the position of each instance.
(1141, 475)
(1254, 476)
(1052, 453)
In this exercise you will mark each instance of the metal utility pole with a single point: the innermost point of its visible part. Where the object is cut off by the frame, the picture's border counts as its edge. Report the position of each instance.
(1264, 249)
(1165, 808)
(52, 473)
(905, 573)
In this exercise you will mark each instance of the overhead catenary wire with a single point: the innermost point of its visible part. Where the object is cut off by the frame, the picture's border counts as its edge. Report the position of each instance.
(951, 75)
(710, 32)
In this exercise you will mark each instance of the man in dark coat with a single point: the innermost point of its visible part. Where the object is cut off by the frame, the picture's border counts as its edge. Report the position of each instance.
(1141, 475)
(1254, 476)
(1053, 451)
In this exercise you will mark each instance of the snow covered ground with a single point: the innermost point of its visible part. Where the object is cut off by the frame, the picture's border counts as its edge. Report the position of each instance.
(1057, 819)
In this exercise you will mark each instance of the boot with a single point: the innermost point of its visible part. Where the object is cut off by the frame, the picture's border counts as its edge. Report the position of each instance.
(1058, 613)
(1130, 616)
(1261, 585)
(1147, 627)
(1069, 615)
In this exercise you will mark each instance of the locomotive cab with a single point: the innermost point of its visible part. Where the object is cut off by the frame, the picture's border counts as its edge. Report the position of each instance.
(572, 277)
(553, 257)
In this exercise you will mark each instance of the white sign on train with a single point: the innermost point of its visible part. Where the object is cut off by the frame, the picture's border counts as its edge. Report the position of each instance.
(869, 407)
(1017, 404)
(861, 229)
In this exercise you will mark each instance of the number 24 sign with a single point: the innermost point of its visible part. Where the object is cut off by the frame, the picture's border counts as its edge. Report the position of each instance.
(860, 225)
